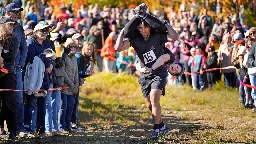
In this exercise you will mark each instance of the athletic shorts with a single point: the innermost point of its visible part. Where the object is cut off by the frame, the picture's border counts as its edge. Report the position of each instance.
(153, 81)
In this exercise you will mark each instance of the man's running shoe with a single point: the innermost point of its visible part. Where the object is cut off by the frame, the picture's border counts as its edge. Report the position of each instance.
(155, 134)
(3, 133)
(164, 131)
(29, 134)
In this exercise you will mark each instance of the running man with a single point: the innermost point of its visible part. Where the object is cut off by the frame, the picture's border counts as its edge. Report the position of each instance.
(148, 36)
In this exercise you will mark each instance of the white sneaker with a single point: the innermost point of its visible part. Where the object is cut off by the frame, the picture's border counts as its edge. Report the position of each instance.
(21, 134)
(29, 134)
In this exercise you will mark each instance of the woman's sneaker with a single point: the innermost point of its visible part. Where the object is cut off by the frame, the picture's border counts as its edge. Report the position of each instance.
(155, 134)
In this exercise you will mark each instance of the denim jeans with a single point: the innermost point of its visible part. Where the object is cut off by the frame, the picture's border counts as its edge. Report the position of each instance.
(253, 83)
(178, 81)
(229, 79)
(248, 96)
(211, 78)
(56, 104)
(48, 114)
(99, 61)
(75, 117)
(199, 81)
(19, 101)
(30, 112)
(67, 106)
(188, 77)
(35, 113)
(241, 91)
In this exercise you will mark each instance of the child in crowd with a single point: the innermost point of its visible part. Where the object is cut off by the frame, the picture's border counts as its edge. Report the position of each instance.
(196, 63)
(211, 62)
(108, 53)
(131, 60)
(122, 61)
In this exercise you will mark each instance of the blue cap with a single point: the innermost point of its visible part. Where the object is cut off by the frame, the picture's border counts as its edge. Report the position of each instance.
(13, 7)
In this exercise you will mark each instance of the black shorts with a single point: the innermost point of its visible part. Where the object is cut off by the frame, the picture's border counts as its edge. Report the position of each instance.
(153, 81)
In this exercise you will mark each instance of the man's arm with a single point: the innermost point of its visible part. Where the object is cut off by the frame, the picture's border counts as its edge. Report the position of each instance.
(121, 43)
(251, 58)
(23, 50)
(155, 23)
(171, 33)
(130, 29)
(160, 61)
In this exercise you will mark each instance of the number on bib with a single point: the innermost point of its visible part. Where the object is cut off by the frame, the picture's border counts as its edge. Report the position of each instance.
(149, 57)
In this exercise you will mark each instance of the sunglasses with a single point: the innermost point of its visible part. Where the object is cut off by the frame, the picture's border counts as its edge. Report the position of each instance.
(44, 31)
(72, 47)
(15, 12)
(252, 33)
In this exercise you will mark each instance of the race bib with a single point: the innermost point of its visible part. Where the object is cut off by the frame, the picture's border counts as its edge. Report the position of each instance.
(149, 57)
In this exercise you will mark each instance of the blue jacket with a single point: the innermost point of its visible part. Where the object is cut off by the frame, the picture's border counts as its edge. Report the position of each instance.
(120, 65)
(196, 63)
(22, 46)
(35, 49)
(34, 75)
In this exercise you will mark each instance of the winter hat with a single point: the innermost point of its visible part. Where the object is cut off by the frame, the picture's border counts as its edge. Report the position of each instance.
(237, 36)
(49, 53)
(241, 51)
(211, 48)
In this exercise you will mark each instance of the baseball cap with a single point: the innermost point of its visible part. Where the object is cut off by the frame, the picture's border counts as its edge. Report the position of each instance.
(69, 41)
(55, 36)
(211, 48)
(71, 31)
(77, 36)
(6, 20)
(41, 25)
(13, 7)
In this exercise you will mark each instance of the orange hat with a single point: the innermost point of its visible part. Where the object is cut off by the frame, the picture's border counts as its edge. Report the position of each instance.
(238, 43)
(131, 49)
(123, 53)
(84, 20)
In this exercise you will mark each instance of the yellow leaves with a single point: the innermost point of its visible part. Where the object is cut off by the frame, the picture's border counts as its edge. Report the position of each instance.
(58, 3)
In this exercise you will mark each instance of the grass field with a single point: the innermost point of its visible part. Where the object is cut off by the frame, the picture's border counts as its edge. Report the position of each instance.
(194, 116)
(112, 108)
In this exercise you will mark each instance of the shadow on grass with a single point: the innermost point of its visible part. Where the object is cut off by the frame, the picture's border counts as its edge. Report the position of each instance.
(114, 128)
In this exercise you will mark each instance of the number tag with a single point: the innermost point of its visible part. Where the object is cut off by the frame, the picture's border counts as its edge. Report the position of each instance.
(149, 57)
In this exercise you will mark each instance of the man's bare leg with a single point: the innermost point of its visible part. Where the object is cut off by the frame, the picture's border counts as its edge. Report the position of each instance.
(155, 95)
